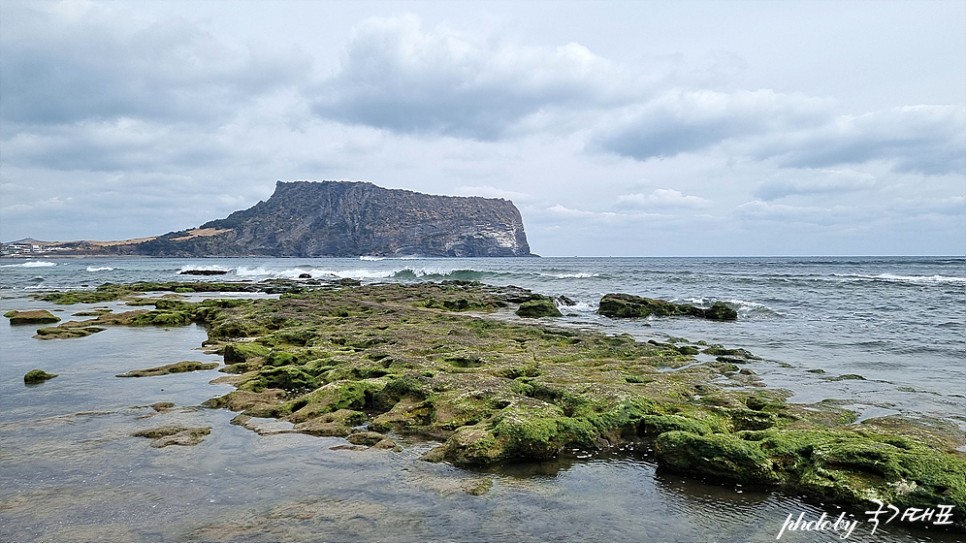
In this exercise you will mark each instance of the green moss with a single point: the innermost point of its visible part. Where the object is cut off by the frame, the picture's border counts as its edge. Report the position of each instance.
(66, 332)
(34, 377)
(721, 457)
(539, 307)
(655, 425)
(178, 367)
(34, 316)
(236, 352)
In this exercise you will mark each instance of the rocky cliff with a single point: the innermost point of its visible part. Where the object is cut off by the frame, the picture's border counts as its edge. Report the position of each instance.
(345, 219)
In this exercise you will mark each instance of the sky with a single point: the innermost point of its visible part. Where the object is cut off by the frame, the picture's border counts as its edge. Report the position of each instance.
(618, 128)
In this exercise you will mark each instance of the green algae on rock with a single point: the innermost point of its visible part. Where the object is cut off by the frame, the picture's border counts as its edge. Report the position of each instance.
(542, 306)
(628, 305)
(34, 377)
(177, 367)
(164, 436)
(32, 316)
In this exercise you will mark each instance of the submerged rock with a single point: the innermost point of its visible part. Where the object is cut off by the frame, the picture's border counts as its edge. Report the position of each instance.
(164, 436)
(34, 377)
(628, 305)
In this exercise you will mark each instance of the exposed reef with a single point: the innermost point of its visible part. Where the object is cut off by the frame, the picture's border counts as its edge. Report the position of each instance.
(451, 362)
(628, 305)
(177, 367)
(33, 316)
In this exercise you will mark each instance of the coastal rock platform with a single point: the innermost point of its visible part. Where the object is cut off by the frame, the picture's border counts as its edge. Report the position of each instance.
(452, 363)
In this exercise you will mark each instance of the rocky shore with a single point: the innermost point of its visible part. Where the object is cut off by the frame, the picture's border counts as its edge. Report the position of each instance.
(458, 363)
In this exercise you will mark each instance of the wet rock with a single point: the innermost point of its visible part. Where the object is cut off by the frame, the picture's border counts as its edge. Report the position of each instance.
(338, 423)
(162, 407)
(565, 301)
(178, 367)
(164, 436)
(67, 332)
(539, 307)
(203, 272)
(477, 487)
(34, 316)
(627, 305)
(34, 377)
(365, 438)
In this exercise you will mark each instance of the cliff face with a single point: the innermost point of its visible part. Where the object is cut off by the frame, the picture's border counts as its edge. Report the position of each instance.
(331, 218)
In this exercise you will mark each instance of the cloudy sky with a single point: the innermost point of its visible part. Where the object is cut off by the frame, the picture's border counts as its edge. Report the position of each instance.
(618, 128)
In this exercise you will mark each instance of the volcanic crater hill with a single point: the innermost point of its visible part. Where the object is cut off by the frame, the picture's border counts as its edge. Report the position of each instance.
(348, 219)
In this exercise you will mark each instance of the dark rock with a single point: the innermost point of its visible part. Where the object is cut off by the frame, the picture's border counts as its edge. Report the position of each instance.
(178, 367)
(627, 305)
(35, 316)
(305, 276)
(538, 307)
(34, 377)
(203, 272)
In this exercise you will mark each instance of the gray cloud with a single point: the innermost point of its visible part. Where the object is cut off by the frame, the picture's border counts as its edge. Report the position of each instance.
(922, 139)
(791, 131)
(823, 183)
(397, 77)
(63, 66)
(691, 121)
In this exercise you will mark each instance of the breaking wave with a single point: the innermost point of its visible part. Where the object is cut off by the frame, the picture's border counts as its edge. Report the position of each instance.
(915, 279)
(94, 269)
(31, 264)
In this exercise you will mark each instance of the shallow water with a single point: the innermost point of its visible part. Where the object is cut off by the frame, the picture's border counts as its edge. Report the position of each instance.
(70, 470)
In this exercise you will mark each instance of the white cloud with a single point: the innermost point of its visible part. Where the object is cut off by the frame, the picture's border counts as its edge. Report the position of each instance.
(494, 192)
(663, 199)
(397, 77)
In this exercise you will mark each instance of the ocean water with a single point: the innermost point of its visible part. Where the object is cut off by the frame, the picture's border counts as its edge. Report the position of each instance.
(70, 470)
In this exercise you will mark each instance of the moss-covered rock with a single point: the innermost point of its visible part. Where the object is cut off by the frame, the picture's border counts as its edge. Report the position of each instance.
(67, 332)
(34, 377)
(721, 457)
(628, 305)
(33, 316)
(542, 306)
(177, 367)
(174, 435)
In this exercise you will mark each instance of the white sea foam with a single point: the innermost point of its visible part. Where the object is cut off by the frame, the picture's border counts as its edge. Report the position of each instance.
(918, 279)
(31, 264)
(294, 273)
(570, 275)
(372, 258)
(93, 269)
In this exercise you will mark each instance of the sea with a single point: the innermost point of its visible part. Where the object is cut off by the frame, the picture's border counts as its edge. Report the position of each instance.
(70, 470)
